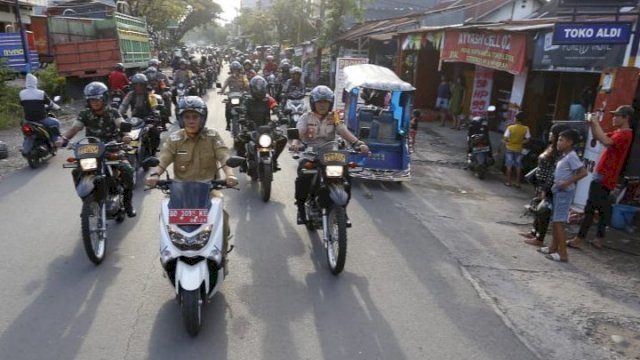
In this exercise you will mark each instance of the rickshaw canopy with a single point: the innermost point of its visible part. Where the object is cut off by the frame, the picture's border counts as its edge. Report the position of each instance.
(374, 77)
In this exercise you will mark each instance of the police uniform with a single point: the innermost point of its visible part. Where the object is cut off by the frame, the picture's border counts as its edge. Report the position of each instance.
(316, 131)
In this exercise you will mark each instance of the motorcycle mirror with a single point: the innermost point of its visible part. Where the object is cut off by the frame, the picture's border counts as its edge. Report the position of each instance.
(56, 98)
(292, 133)
(150, 162)
(491, 108)
(364, 132)
(125, 127)
(170, 77)
(235, 161)
(218, 85)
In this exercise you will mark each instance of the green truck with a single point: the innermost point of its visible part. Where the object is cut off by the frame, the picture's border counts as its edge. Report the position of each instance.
(89, 48)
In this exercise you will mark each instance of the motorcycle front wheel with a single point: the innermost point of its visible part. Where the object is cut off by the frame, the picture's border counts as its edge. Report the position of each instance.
(93, 223)
(265, 183)
(337, 244)
(191, 306)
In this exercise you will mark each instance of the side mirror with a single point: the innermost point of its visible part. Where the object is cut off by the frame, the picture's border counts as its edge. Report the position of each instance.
(150, 162)
(293, 133)
(364, 132)
(170, 77)
(491, 108)
(56, 98)
(218, 85)
(125, 127)
(235, 161)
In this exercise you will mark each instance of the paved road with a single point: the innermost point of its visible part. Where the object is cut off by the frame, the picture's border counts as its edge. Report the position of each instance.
(402, 296)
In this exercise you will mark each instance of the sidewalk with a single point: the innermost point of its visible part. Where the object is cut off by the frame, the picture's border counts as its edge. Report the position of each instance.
(455, 140)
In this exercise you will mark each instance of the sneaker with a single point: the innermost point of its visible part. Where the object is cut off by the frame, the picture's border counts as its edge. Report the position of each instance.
(131, 212)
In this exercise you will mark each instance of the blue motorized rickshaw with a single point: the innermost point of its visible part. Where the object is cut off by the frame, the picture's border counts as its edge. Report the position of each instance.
(378, 110)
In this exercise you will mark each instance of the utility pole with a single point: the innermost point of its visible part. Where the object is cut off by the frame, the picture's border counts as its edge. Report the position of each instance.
(25, 49)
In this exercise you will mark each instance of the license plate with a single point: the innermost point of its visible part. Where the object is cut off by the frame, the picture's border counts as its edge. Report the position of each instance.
(88, 149)
(188, 216)
(335, 156)
(480, 149)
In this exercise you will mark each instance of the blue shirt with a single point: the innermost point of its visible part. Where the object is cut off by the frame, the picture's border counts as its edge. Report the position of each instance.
(565, 169)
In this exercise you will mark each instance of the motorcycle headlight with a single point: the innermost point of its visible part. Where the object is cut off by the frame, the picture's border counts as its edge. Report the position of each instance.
(264, 141)
(334, 170)
(89, 164)
(183, 242)
(235, 101)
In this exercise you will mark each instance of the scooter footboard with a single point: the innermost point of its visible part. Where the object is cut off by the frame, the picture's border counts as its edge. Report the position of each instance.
(190, 277)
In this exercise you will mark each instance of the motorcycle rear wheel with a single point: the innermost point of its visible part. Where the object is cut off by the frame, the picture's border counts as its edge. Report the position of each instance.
(92, 220)
(337, 244)
(34, 159)
(191, 306)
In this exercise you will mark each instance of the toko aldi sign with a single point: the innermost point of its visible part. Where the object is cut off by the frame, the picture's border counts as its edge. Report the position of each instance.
(592, 33)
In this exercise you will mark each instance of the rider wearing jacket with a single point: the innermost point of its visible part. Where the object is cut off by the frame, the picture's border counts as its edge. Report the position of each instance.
(103, 122)
(257, 108)
(35, 102)
(118, 80)
(195, 151)
(248, 69)
(270, 67)
(294, 87)
(236, 82)
(317, 127)
(141, 100)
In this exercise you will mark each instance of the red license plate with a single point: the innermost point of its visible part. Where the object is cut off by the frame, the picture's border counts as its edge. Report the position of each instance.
(188, 216)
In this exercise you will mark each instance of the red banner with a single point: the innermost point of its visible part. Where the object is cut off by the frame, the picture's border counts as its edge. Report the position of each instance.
(496, 50)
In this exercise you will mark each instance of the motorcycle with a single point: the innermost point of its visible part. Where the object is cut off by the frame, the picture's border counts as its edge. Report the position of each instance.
(479, 157)
(145, 139)
(294, 108)
(212, 77)
(180, 91)
(191, 242)
(234, 99)
(98, 186)
(260, 153)
(117, 96)
(325, 207)
(37, 145)
(273, 88)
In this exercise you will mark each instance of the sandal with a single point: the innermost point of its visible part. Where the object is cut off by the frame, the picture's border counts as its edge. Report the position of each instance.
(574, 244)
(544, 250)
(527, 235)
(556, 257)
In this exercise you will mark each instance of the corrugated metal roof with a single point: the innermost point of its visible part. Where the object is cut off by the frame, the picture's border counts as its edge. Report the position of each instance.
(521, 25)
(378, 27)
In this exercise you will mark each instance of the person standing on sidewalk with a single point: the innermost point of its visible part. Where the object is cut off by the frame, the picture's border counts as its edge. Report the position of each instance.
(569, 171)
(514, 138)
(442, 102)
(605, 177)
(455, 106)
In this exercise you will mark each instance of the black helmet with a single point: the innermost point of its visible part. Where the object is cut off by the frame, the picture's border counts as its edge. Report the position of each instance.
(139, 79)
(119, 66)
(96, 90)
(192, 103)
(258, 87)
(235, 66)
(320, 93)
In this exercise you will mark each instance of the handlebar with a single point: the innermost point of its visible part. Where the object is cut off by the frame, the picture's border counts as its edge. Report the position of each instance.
(165, 184)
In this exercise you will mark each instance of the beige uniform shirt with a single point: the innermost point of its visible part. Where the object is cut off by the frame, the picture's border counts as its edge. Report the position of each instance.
(194, 159)
(317, 131)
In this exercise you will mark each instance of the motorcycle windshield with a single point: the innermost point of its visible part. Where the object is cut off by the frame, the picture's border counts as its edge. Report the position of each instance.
(189, 195)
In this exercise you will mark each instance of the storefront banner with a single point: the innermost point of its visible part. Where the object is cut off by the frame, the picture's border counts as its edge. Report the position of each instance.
(298, 51)
(341, 63)
(481, 95)
(592, 33)
(575, 58)
(497, 50)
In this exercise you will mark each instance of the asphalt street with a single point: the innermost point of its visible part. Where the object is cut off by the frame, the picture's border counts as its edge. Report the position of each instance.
(402, 295)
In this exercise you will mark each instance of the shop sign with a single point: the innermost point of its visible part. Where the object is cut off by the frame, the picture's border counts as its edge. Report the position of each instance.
(592, 33)
(481, 95)
(341, 63)
(497, 50)
(575, 58)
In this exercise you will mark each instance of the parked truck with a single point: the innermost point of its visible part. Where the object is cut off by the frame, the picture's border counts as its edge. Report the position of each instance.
(89, 48)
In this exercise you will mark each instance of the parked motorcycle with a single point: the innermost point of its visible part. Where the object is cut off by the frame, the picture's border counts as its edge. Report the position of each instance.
(37, 145)
(479, 156)
(260, 155)
(98, 185)
(192, 251)
(325, 207)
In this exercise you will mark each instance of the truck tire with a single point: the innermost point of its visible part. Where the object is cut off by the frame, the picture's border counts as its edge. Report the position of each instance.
(4, 150)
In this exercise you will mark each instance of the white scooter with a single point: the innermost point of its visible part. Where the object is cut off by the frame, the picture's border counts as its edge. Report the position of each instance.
(192, 250)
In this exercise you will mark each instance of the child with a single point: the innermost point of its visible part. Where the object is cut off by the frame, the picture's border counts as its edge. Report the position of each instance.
(569, 171)
(413, 128)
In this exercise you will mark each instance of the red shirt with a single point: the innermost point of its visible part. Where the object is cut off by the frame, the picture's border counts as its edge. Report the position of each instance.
(613, 157)
(118, 80)
(270, 68)
(271, 102)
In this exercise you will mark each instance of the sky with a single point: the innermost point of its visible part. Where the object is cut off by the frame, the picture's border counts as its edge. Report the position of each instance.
(228, 9)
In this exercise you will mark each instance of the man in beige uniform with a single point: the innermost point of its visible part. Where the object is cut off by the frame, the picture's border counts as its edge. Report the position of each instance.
(195, 152)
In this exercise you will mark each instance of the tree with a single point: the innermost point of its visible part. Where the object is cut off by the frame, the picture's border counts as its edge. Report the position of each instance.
(257, 25)
(334, 12)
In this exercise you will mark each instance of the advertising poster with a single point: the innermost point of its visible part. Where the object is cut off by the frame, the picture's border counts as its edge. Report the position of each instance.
(576, 58)
(341, 63)
(481, 95)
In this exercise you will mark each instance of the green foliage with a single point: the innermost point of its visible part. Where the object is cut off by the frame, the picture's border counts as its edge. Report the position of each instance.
(10, 108)
(51, 82)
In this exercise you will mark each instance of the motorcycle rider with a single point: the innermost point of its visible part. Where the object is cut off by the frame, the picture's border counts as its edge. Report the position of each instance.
(294, 87)
(195, 152)
(317, 127)
(118, 80)
(35, 102)
(270, 67)
(283, 76)
(181, 75)
(236, 82)
(257, 108)
(141, 99)
(103, 122)
(248, 69)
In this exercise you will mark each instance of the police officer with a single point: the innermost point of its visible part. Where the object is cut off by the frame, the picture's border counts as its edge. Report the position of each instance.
(141, 100)
(317, 127)
(195, 151)
(103, 122)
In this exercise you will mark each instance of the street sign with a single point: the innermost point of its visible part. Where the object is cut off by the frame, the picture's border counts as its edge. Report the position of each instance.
(600, 33)
(597, 3)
